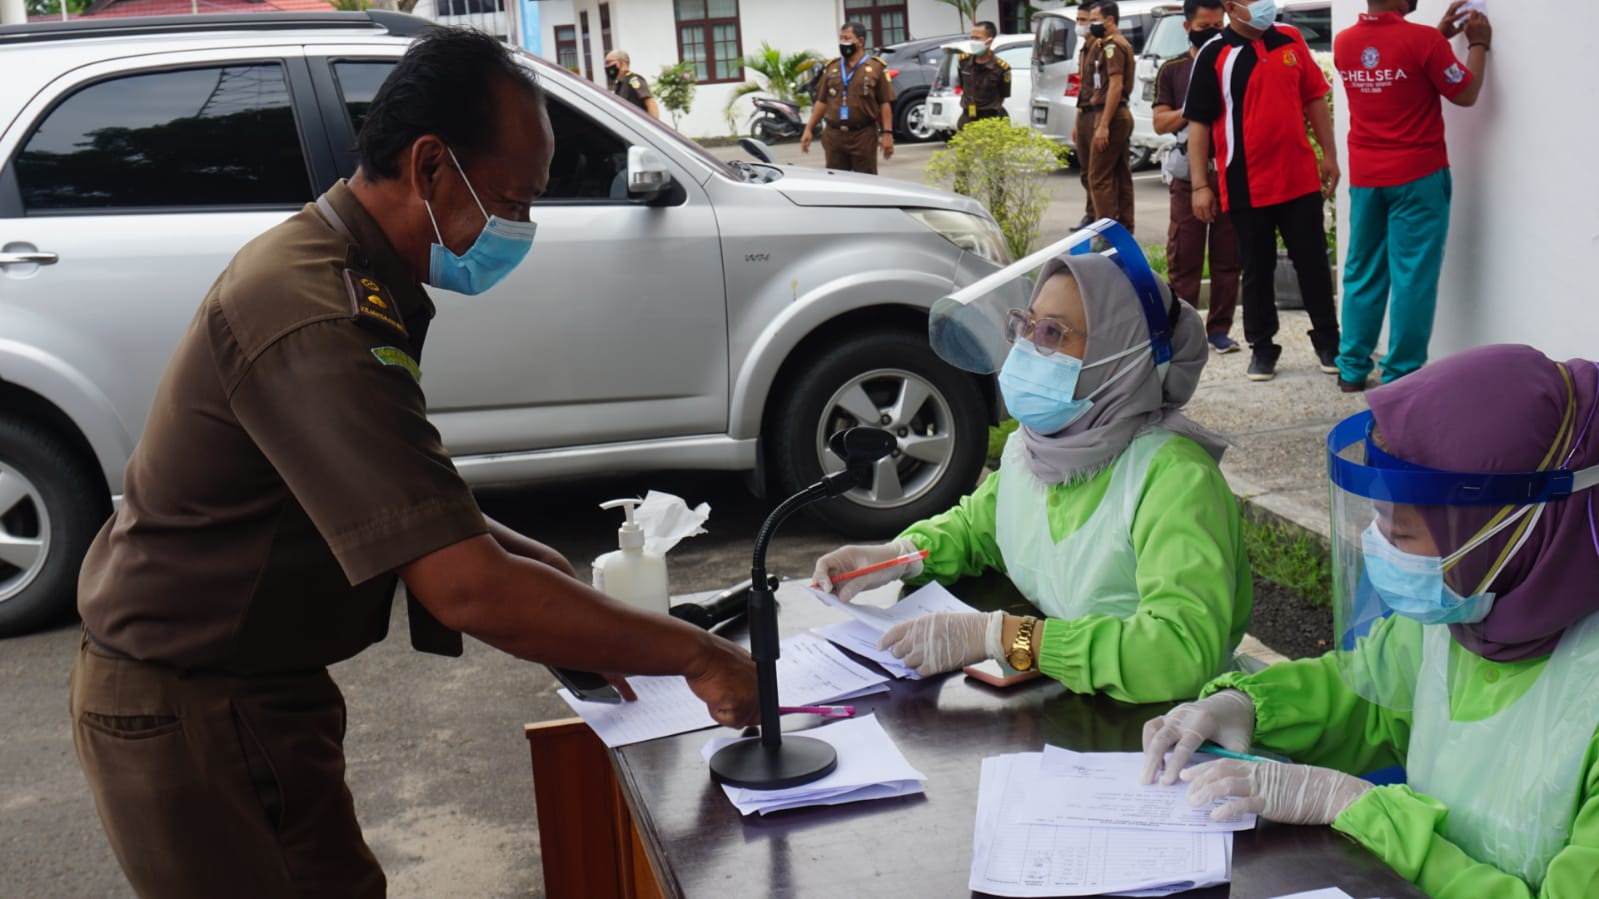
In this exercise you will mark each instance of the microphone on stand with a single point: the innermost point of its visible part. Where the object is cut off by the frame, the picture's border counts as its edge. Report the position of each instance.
(769, 762)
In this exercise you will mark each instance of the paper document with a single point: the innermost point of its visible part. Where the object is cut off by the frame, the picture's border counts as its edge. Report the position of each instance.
(869, 622)
(1323, 893)
(1102, 788)
(870, 766)
(1047, 860)
(809, 672)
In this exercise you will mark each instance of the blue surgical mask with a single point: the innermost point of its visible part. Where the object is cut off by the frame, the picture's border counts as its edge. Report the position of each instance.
(500, 247)
(1414, 586)
(1262, 14)
(1041, 391)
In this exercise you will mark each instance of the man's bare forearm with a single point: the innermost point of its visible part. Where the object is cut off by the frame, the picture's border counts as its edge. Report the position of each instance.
(1199, 153)
(817, 111)
(1320, 119)
(1168, 120)
(532, 611)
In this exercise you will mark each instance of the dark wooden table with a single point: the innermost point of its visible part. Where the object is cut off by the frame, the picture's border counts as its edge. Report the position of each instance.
(676, 834)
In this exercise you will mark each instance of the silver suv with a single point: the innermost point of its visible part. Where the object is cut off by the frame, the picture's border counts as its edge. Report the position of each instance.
(677, 312)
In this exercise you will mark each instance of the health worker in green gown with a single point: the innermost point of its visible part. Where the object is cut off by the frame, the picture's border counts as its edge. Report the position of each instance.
(1108, 511)
(1466, 578)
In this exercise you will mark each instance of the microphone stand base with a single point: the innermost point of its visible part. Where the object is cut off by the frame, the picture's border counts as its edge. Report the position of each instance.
(753, 765)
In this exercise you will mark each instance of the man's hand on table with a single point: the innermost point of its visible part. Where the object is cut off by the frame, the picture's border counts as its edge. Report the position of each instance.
(723, 677)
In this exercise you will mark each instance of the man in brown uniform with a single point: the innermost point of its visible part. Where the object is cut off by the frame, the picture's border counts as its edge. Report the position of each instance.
(856, 98)
(1187, 236)
(1083, 128)
(984, 79)
(288, 478)
(1110, 175)
(629, 86)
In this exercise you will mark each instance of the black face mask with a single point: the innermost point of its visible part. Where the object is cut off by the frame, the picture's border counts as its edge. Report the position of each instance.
(1199, 37)
(1097, 29)
(846, 50)
(611, 72)
(1412, 4)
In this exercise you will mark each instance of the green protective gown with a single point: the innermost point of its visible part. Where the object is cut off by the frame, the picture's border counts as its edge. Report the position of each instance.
(1306, 710)
(1194, 586)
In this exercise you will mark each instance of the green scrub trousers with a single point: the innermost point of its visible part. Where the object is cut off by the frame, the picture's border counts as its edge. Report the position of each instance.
(1396, 246)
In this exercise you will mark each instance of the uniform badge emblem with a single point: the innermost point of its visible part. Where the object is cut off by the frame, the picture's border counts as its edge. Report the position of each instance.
(1454, 74)
(1290, 58)
(393, 355)
(1369, 57)
(371, 303)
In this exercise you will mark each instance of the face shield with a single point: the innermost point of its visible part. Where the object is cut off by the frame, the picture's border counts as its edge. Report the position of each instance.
(1400, 535)
(968, 328)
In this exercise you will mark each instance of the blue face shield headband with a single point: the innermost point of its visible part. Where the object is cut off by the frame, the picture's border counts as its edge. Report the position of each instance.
(967, 328)
(500, 247)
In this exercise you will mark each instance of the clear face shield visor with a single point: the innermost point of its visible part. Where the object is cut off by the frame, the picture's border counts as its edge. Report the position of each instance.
(968, 328)
(1400, 533)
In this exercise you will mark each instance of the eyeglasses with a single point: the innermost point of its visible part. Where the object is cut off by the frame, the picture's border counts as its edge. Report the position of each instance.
(1047, 334)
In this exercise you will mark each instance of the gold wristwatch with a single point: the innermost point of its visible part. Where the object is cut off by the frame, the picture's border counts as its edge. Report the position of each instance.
(1022, 655)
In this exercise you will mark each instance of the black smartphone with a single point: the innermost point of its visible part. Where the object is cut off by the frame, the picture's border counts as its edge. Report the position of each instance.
(586, 685)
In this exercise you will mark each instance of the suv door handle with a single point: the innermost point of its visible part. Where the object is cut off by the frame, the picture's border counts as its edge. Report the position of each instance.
(33, 258)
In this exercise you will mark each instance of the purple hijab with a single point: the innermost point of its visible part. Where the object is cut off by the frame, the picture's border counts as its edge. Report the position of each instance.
(1499, 409)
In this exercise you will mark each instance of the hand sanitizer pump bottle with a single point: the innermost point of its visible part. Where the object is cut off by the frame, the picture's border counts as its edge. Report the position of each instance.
(632, 574)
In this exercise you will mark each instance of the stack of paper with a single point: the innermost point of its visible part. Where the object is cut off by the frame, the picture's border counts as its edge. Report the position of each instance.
(809, 672)
(1062, 823)
(867, 623)
(870, 766)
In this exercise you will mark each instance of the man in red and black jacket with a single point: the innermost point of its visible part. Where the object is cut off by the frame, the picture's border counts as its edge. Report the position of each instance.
(1251, 94)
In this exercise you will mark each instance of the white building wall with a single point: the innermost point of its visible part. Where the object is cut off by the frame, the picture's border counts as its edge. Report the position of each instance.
(1524, 234)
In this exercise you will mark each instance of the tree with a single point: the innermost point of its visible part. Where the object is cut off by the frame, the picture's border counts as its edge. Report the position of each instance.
(966, 9)
(781, 75)
(53, 7)
(1005, 167)
(674, 89)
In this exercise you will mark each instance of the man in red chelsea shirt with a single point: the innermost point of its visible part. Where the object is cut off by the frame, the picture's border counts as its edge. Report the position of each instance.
(1399, 186)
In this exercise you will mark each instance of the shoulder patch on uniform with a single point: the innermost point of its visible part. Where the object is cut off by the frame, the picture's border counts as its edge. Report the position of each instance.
(372, 304)
(1110, 50)
(1002, 63)
(635, 81)
(393, 355)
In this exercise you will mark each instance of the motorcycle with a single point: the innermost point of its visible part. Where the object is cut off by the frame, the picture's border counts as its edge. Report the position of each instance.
(775, 120)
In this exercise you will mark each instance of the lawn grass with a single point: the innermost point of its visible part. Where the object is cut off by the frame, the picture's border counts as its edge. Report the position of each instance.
(997, 435)
(1289, 558)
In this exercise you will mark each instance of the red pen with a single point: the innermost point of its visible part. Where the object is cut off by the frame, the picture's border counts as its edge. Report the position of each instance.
(826, 711)
(906, 559)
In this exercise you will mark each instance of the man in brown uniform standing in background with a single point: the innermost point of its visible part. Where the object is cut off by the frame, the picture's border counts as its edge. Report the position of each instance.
(1083, 128)
(287, 480)
(1110, 174)
(629, 85)
(984, 79)
(856, 98)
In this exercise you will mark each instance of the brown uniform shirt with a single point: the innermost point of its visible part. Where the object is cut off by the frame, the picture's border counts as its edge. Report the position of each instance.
(287, 467)
(1111, 56)
(984, 84)
(632, 88)
(1085, 74)
(863, 97)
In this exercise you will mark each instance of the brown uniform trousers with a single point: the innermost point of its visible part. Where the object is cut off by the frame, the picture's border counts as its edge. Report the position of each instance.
(1110, 173)
(212, 785)
(851, 149)
(1186, 239)
(1083, 137)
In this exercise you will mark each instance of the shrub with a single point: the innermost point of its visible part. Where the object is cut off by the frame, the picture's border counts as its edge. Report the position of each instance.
(674, 88)
(1004, 167)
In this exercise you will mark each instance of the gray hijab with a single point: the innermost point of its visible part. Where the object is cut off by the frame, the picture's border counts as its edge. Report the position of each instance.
(1139, 399)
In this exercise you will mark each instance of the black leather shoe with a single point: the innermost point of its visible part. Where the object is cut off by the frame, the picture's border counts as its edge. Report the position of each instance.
(1262, 367)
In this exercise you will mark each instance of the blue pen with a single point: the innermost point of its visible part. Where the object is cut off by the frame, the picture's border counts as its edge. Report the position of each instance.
(1213, 749)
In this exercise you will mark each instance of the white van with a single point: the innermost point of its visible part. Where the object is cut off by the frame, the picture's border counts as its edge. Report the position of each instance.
(944, 100)
(1055, 77)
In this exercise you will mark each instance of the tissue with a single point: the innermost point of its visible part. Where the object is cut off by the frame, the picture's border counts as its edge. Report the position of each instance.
(667, 520)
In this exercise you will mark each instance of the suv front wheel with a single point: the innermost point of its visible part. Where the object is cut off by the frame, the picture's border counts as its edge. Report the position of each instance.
(889, 380)
(49, 513)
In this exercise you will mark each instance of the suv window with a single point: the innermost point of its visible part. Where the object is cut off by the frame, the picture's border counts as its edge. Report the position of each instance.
(1056, 41)
(590, 162)
(358, 84)
(1314, 23)
(204, 137)
(1019, 56)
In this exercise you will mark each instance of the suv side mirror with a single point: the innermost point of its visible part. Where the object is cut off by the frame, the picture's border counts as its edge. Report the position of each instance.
(647, 174)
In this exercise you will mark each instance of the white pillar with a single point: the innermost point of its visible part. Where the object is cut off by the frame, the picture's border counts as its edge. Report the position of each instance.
(13, 12)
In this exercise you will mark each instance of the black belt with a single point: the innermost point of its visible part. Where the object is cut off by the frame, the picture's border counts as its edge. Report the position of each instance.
(845, 126)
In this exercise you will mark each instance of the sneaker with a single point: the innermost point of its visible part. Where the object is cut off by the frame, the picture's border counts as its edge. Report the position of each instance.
(1352, 386)
(1223, 344)
(1328, 356)
(1262, 367)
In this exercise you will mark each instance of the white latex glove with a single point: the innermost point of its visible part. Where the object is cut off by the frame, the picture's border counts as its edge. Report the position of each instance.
(1292, 794)
(944, 641)
(851, 558)
(1226, 719)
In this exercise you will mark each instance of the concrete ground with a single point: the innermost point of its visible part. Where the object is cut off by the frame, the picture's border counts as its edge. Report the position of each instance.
(437, 761)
